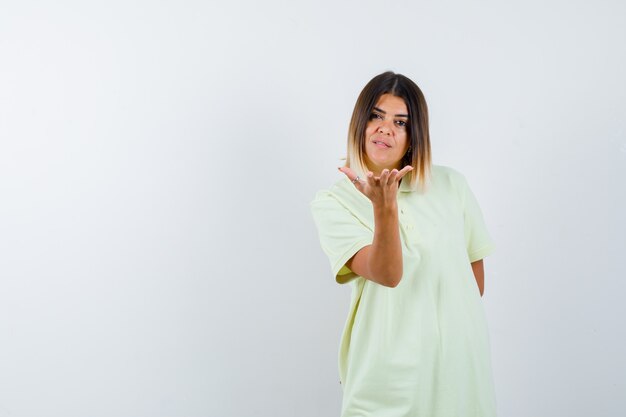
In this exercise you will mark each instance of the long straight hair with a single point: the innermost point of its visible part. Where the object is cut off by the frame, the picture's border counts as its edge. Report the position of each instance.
(418, 155)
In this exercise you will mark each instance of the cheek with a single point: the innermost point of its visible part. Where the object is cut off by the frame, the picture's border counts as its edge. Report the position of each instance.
(400, 137)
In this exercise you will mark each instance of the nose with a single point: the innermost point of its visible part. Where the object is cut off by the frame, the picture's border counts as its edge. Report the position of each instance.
(384, 128)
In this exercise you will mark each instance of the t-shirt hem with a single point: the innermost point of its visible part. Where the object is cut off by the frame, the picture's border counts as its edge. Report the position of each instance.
(482, 252)
(345, 278)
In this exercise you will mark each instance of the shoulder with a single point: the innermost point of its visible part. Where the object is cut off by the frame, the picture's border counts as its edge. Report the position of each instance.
(447, 173)
(449, 177)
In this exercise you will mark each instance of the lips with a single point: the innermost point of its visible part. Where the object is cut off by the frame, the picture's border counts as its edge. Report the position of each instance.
(381, 142)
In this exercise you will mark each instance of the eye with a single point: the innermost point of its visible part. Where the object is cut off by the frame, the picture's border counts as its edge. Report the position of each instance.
(375, 116)
(401, 123)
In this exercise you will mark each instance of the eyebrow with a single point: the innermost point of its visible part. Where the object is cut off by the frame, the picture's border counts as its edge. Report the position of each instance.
(384, 112)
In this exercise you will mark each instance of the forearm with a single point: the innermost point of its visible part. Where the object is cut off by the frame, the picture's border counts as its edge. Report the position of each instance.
(479, 274)
(385, 257)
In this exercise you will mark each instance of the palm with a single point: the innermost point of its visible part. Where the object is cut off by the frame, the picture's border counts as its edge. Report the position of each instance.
(381, 189)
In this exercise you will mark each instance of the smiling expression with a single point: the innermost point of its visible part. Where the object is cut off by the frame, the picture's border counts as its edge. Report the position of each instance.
(386, 134)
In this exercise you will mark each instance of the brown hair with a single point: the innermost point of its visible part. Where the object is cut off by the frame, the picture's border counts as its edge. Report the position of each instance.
(419, 155)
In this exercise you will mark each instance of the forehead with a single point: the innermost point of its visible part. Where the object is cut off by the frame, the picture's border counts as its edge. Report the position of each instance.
(391, 103)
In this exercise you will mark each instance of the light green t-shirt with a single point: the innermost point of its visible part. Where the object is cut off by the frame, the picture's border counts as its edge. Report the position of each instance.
(421, 348)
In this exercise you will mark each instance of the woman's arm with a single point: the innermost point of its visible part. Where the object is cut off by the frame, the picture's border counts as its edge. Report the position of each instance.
(479, 274)
(381, 261)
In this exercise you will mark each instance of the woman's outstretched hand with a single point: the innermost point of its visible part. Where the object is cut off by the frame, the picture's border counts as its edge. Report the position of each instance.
(383, 190)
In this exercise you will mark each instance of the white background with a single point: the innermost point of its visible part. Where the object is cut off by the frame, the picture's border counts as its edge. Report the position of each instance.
(157, 160)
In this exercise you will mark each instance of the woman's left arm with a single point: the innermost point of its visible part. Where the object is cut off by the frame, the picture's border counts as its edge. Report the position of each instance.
(479, 274)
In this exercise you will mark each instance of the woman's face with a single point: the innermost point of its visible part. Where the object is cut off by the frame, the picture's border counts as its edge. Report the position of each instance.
(386, 137)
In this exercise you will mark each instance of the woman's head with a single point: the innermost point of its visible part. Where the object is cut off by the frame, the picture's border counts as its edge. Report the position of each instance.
(389, 129)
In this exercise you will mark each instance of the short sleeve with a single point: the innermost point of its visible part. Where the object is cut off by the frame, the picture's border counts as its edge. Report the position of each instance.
(478, 241)
(341, 233)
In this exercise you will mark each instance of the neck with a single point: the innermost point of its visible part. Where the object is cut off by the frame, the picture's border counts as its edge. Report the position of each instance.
(377, 169)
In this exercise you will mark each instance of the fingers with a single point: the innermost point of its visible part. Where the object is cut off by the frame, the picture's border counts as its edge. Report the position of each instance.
(384, 177)
(353, 177)
(393, 177)
(389, 177)
(404, 171)
(349, 173)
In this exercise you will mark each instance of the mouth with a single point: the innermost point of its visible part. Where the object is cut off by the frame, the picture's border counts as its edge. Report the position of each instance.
(381, 143)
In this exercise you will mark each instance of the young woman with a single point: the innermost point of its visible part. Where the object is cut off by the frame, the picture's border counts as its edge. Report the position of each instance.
(409, 236)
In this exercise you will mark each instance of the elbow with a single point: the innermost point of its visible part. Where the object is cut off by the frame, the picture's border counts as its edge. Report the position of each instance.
(394, 283)
(392, 279)
(389, 275)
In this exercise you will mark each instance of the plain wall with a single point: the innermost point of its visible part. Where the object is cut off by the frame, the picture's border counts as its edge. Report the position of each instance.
(157, 160)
